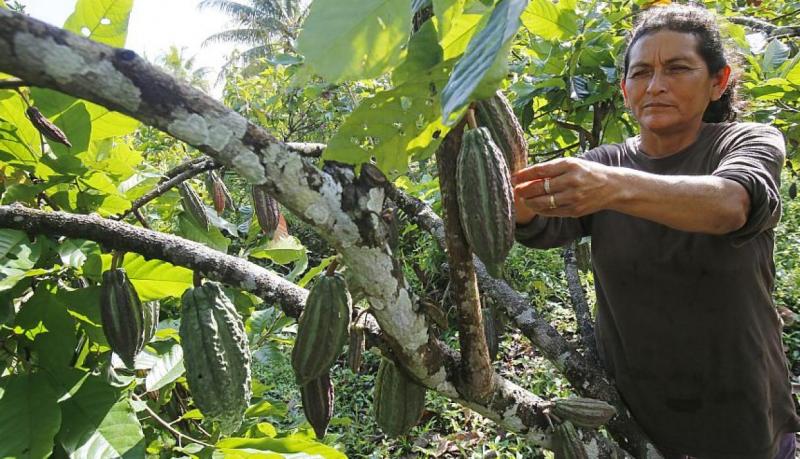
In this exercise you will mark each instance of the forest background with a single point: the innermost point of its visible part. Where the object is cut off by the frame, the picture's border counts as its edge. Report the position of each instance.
(350, 82)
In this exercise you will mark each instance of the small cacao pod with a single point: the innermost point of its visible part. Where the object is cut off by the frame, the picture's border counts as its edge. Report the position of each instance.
(217, 190)
(46, 127)
(485, 199)
(266, 209)
(193, 205)
(317, 396)
(567, 442)
(399, 401)
(322, 328)
(495, 113)
(584, 412)
(123, 315)
(216, 355)
(355, 348)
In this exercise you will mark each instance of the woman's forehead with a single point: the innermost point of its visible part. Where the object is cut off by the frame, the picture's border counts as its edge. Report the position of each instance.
(664, 46)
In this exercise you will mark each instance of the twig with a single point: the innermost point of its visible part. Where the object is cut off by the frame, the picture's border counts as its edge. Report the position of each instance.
(12, 84)
(560, 152)
(591, 138)
(167, 425)
(165, 186)
(183, 167)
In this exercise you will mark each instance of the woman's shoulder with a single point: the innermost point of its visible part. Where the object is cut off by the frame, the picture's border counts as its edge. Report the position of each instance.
(743, 131)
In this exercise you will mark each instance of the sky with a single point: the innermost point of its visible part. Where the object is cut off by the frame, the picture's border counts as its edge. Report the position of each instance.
(155, 25)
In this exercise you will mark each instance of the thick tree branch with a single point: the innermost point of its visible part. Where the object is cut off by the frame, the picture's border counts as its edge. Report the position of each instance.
(579, 304)
(12, 84)
(477, 367)
(768, 28)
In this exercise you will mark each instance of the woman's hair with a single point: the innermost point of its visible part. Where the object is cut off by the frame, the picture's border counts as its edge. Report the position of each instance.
(702, 24)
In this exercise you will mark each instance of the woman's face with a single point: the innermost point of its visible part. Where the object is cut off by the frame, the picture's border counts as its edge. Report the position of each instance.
(668, 85)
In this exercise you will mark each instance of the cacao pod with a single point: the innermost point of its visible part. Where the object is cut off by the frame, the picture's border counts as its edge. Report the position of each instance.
(490, 330)
(399, 401)
(584, 412)
(193, 205)
(322, 328)
(495, 113)
(216, 355)
(317, 396)
(123, 315)
(485, 199)
(151, 309)
(46, 127)
(266, 209)
(355, 349)
(567, 443)
(217, 190)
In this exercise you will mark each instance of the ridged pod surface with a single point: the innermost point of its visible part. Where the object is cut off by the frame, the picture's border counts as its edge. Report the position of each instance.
(495, 113)
(217, 190)
(568, 444)
(151, 310)
(266, 209)
(193, 204)
(485, 199)
(317, 396)
(46, 127)
(322, 330)
(123, 315)
(399, 401)
(584, 412)
(216, 355)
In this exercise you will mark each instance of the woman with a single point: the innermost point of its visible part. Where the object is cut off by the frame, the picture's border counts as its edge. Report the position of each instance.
(681, 219)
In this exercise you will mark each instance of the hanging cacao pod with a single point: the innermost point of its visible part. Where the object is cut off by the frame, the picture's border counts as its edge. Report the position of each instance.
(216, 355)
(485, 199)
(355, 349)
(399, 401)
(217, 190)
(584, 412)
(567, 442)
(123, 315)
(193, 205)
(46, 127)
(317, 396)
(495, 113)
(266, 209)
(322, 328)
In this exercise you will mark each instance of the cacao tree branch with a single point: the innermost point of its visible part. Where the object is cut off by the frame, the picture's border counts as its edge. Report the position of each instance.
(768, 28)
(477, 368)
(587, 379)
(12, 84)
(177, 433)
(183, 167)
(579, 304)
(558, 153)
(511, 406)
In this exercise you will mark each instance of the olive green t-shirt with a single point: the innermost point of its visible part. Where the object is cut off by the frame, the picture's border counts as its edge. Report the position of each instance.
(686, 325)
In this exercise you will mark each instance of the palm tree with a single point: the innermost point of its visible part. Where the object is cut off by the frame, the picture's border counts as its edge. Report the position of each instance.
(175, 63)
(270, 27)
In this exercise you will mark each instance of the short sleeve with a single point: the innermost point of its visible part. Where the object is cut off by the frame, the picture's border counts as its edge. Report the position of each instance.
(753, 155)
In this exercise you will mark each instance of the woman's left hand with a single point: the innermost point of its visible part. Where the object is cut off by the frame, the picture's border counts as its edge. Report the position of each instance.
(567, 187)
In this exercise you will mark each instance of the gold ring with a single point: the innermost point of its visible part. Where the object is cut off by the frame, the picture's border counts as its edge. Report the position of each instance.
(553, 202)
(547, 185)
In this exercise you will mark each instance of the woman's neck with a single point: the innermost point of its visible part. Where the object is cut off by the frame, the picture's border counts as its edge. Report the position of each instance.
(660, 145)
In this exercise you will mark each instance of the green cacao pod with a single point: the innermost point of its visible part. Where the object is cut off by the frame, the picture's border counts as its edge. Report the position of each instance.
(485, 199)
(322, 330)
(567, 442)
(495, 113)
(216, 355)
(317, 397)
(151, 309)
(122, 314)
(266, 209)
(46, 127)
(193, 205)
(490, 330)
(584, 412)
(399, 401)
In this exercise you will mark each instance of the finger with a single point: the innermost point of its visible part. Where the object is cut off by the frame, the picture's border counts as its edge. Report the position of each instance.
(548, 203)
(552, 168)
(539, 187)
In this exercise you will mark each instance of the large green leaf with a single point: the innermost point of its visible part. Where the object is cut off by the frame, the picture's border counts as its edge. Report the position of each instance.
(775, 54)
(29, 417)
(17, 258)
(292, 444)
(355, 39)
(156, 279)
(104, 21)
(485, 49)
(84, 306)
(447, 12)
(98, 423)
(167, 368)
(47, 309)
(458, 29)
(22, 140)
(77, 126)
(544, 19)
(282, 251)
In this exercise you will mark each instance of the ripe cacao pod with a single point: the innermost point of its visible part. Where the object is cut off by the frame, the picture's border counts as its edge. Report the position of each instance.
(216, 355)
(495, 113)
(46, 127)
(193, 205)
(317, 396)
(485, 199)
(584, 412)
(217, 190)
(123, 315)
(322, 328)
(567, 442)
(399, 401)
(266, 209)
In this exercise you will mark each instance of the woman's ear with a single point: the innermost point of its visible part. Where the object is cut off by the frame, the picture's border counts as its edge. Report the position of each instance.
(720, 82)
(624, 92)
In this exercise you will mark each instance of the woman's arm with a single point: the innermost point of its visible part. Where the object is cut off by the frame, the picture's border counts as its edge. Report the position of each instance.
(704, 204)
